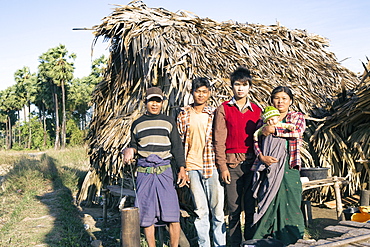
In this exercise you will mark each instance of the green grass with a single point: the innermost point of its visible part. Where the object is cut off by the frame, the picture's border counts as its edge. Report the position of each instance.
(37, 199)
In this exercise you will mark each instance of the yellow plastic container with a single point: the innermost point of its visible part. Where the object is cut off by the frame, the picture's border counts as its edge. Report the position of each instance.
(360, 217)
(364, 209)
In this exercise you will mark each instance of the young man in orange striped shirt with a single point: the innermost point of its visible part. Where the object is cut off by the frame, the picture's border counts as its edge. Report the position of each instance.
(195, 127)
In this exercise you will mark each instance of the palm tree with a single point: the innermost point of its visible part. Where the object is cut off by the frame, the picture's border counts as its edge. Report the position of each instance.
(9, 105)
(59, 71)
(80, 91)
(25, 90)
(44, 102)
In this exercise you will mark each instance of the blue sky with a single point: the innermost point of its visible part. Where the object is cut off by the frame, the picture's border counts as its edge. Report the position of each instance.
(30, 28)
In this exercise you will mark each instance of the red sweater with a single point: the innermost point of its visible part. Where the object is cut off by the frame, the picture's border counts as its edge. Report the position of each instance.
(239, 141)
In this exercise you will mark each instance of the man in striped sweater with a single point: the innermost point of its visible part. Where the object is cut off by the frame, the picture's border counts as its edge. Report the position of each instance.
(156, 141)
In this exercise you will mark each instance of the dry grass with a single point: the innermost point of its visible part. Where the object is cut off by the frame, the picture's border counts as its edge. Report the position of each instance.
(37, 199)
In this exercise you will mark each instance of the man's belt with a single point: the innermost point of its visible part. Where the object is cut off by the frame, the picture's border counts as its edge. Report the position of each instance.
(156, 170)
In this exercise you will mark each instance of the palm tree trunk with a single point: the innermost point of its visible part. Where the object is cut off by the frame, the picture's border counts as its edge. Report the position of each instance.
(43, 122)
(9, 143)
(57, 130)
(6, 134)
(19, 131)
(24, 113)
(30, 127)
(24, 121)
(29, 136)
(64, 117)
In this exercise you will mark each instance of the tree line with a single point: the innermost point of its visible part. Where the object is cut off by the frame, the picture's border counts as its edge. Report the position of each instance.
(55, 105)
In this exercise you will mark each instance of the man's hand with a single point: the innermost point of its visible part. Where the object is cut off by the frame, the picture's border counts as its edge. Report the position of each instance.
(268, 160)
(267, 130)
(128, 154)
(225, 176)
(182, 178)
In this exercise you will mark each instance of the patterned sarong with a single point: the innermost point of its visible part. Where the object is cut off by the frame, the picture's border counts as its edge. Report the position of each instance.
(156, 195)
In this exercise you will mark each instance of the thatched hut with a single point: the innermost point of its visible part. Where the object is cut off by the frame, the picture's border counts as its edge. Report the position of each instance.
(156, 47)
(342, 141)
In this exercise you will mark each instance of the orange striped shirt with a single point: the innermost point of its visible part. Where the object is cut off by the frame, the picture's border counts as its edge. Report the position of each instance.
(183, 125)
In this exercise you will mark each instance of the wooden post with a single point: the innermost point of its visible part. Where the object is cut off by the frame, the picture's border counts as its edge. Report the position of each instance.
(365, 198)
(365, 193)
(130, 227)
(338, 197)
(307, 212)
(104, 197)
(363, 161)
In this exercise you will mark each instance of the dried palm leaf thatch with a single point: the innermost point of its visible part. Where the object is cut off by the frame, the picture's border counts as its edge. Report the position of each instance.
(343, 139)
(156, 47)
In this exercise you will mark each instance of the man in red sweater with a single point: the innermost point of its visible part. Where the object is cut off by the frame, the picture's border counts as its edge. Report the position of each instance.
(234, 125)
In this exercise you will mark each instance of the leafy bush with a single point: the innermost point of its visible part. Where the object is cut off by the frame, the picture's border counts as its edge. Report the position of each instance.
(75, 136)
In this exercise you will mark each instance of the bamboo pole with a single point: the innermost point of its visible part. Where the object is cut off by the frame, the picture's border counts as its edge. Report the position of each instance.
(338, 197)
(362, 156)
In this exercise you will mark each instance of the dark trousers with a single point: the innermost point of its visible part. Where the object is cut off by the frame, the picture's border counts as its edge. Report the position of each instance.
(239, 197)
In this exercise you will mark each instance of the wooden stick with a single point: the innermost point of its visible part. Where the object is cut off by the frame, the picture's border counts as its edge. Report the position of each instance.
(363, 161)
(362, 156)
(346, 241)
(338, 198)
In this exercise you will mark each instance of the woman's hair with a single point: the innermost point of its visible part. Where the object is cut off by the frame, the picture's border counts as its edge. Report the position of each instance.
(282, 89)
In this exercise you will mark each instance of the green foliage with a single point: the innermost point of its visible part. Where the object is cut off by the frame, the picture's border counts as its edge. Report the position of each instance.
(9, 105)
(75, 136)
(9, 100)
(37, 132)
(98, 68)
(44, 90)
(80, 91)
(79, 97)
(26, 86)
(55, 65)
(38, 136)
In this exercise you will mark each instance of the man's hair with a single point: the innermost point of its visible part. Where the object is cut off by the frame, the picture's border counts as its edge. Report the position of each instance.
(241, 74)
(200, 82)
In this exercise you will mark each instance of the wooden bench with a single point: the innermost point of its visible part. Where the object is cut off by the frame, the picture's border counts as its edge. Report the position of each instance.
(117, 190)
(114, 190)
(336, 182)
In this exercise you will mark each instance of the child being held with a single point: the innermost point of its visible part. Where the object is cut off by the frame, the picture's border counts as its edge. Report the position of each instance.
(271, 114)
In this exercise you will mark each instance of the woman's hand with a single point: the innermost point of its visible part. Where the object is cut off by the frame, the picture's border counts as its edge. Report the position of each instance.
(267, 130)
(268, 160)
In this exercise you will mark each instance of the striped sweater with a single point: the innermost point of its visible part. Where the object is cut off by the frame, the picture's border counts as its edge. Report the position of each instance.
(157, 134)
